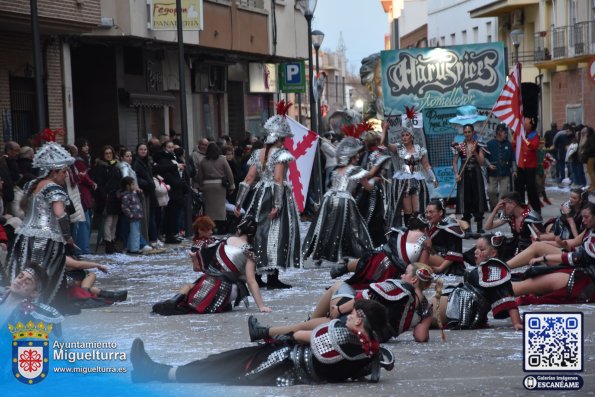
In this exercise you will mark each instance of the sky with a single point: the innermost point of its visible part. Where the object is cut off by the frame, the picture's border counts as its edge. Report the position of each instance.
(362, 22)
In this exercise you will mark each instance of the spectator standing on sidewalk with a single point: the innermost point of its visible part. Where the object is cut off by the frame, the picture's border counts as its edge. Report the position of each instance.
(500, 159)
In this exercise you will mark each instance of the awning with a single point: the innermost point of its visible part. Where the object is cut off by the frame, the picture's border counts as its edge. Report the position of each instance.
(151, 100)
(500, 7)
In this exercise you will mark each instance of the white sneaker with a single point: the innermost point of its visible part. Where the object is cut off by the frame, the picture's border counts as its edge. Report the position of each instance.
(146, 248)
(158, 244)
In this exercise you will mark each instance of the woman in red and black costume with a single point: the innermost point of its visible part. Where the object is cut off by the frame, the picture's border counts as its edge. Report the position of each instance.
(228, 273)
(486, 288)
(334, 351)
(525, 224)
(568, 277)
(391, 259)
(446, 256)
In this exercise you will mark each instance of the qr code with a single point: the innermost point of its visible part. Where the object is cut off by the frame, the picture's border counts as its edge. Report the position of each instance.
(553, 342)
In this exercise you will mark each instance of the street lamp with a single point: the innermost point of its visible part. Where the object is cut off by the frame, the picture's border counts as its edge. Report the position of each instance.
(317, 38)
(310, 7)
(516, 36)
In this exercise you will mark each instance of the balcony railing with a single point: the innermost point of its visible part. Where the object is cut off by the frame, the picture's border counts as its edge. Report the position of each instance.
(575, 40)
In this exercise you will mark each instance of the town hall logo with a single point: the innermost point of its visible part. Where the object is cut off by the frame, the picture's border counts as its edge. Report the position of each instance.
(30, 351)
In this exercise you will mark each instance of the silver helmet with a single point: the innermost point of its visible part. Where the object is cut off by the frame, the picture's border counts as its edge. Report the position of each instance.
(277, 126)
(347, 148)
(51, 157)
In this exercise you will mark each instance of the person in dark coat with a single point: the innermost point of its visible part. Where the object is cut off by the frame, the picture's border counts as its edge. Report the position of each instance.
(171, 170)
(142, 165)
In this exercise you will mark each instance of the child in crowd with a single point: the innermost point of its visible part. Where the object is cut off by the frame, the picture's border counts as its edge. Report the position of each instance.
(203, 228)
(132, 210)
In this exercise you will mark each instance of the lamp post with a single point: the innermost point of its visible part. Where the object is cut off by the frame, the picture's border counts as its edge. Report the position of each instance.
(310, 7)
(516, 36)
(317, 38)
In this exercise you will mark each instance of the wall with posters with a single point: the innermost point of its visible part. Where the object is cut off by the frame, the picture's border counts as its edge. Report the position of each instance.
(436, 81)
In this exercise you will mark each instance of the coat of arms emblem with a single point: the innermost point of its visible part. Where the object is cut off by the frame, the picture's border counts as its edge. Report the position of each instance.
(30, 351)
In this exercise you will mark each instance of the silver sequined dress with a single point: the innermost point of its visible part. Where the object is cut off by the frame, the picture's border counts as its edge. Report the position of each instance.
(409, 180)
(339, 229)
(277, 241)
(39, 239)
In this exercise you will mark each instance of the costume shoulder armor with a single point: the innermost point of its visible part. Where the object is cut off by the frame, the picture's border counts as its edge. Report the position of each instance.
(422, 151)
(54, 192)
(332, 342)
(451, 226)
(254, 157)
(282, 155)
(357, 173)
(493, 272)
(379, 157)
(391, 290)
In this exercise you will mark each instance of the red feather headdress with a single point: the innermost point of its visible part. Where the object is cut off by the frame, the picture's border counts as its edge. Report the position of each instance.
(282, 107)
(351, 130)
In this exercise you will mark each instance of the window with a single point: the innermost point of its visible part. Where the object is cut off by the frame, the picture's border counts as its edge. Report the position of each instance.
(464, 36)
(453, 38)
(443, 39)
(476, 34)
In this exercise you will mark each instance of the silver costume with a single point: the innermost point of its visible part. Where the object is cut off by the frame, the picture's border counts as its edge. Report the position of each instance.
(277, 241)
(40, 239)
(410, 179)
(339, 229)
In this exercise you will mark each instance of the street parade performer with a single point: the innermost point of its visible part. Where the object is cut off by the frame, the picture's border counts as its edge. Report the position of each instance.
(18, 302)
(486, 287)
(336, 351)
(410, 190)
(446, 255)
(391, 259)
(559, 277)
(339, 229)
(46, 228)
(226, 268)
(525, 224)
(371, 203)
(471, 187)
(407, 307)
(277, 239)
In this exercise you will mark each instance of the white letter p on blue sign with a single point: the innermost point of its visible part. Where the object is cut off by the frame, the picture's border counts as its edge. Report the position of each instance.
(292, 75)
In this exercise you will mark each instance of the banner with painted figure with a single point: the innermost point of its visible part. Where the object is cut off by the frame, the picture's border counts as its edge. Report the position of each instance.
(436, 81)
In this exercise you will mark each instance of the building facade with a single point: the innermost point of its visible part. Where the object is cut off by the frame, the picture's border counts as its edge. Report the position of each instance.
(556, 51)
(111, 72)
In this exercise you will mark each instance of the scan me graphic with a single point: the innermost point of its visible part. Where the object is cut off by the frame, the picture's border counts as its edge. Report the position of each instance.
(553, 342)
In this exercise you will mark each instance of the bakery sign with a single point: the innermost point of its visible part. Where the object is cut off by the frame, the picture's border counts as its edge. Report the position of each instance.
(164, 16)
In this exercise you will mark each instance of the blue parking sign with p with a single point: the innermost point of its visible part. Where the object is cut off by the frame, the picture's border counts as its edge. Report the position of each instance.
(292, 77)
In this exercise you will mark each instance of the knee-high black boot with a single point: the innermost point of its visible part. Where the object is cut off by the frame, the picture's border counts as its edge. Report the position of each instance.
(144, 368)
(114, 296)
(273, 281)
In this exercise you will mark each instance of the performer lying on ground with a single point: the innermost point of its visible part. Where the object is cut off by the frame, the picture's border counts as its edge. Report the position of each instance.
(80, 284)
(407, 307)
(18, 302)
(336, 351)
(226, 267)
(571, 282)
(525, 224)
(486, 287)
(446, 255)
(390, 260)
(568, 224)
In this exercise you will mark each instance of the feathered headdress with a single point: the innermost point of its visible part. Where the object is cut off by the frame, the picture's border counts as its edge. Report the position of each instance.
(351, 130)
(410, 116)
(277, 126)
